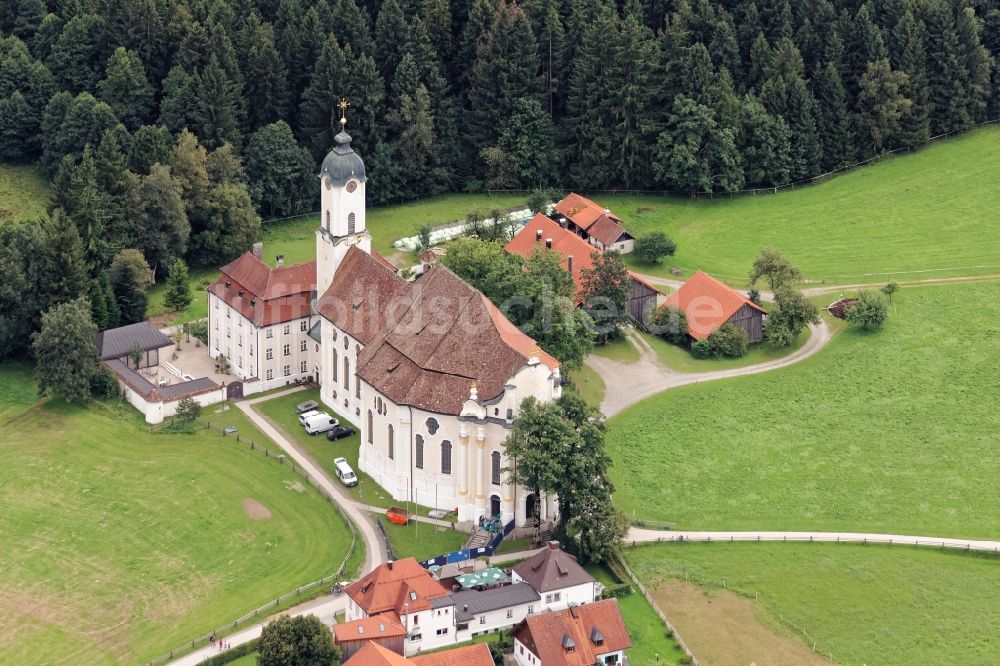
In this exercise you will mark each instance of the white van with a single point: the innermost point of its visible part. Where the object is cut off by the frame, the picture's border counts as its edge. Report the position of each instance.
(305, 416)
(344, 472)
(320, 422)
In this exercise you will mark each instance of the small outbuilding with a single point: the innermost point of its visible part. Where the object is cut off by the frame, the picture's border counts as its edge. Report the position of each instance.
(119, 343)
(708, 304)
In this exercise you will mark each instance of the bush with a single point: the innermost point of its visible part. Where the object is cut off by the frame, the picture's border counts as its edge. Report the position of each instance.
(728, 340)
(199, 329)
(537, 200)
(302, 640)
(671, 323)
(616, 591)
(188, 410)
(702, 349)
(869, 311)
(423, 237)
(104, 385)
(653, 247)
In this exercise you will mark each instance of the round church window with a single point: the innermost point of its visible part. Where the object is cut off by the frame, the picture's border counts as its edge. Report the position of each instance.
(352, 185)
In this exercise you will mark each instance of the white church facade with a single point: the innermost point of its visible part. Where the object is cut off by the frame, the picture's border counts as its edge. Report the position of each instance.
(429, 371)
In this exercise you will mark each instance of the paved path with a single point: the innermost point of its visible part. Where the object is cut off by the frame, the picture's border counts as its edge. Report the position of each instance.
(325, 608)
(630, 383)
(641, 535)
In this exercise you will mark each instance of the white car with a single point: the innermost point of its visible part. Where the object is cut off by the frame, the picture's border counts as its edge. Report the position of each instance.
(305, 416)
(320, 422)
(344, 472)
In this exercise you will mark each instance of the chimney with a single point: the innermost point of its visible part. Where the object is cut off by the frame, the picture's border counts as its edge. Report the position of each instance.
(553, 545)
(258, 250)
(389, 565)
(569, 264)
(279, 260)
(538, 236)
(548, 243)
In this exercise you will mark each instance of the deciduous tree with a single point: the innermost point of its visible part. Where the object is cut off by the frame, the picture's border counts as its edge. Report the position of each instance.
(302, 640)
(65, 356)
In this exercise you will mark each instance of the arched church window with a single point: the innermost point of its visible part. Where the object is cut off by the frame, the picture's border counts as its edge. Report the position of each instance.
(334, 365)
(347, 373)
(392, 443)
(496, 468)
(446, 457)
(327, 220)
(371, 424)
(350, 223)
(420, 451)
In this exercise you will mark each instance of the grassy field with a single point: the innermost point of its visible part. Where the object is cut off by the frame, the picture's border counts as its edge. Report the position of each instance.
(932, 209)
(120, 544)
(422, 540)
(24, 193)
(681, 360)
(296, 239)
(198, 309)
(650, 643)
(887, 432)
(621, 350)
(589, 384)
(865, 604)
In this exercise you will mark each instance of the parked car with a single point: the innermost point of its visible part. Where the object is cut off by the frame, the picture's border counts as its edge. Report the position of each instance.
(305, 416)
(344, 472)
(320, 422)
(339, 433)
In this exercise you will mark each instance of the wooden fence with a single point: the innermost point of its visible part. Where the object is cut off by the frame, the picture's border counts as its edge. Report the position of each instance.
(256, 613)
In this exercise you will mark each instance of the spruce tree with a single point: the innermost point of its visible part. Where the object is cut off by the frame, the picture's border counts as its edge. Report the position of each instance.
(178, 288)
(317, 112)
(178, 102)
(390, 26)
(130, 295)
(65, 263)
(216, 108)
(125, 89)
(833, 120)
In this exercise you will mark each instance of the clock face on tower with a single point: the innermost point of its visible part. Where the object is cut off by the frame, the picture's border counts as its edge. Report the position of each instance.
(352, 185)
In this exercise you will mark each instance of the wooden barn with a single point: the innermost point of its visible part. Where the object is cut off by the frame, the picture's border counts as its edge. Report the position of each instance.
(577, 255)
(385, 630)
(709, 304)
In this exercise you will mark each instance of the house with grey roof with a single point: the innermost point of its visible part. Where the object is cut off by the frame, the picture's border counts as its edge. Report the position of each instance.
(479, 612)
(558, 578)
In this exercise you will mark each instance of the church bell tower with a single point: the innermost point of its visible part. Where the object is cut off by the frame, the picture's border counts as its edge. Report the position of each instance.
(342, 192)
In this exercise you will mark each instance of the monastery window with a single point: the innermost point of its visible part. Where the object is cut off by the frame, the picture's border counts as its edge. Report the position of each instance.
(216, 304)
(350, 223)
(446, 457)
(269, 334)
(496, 468)
(347, 374)
(392, 443)
(229, 313)
(288, 329)
(287, 370)
(303, 345)
(251, 350)
(270, 374)
(228, 332)
(216, 324)
(371, 425)
(287, 350)
(269, 354)
(510, 613)
(303, 325)
(420, 452)
(482, 619)
(239, 342)
(302, 366)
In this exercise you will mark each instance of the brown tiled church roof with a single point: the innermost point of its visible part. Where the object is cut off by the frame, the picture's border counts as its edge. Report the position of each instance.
(427, 341)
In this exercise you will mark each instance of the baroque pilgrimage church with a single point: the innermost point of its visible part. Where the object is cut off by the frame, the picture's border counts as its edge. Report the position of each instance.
(429, 371)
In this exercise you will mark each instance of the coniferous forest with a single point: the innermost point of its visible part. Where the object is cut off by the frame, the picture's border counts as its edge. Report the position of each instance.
(173, 126)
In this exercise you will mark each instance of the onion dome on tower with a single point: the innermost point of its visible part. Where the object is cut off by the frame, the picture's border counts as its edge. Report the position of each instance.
(342, 164)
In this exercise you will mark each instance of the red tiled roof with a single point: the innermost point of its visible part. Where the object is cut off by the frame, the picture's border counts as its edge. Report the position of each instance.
(377, 626)
(425, 341)
(583, 212)
(707, 303)
(544, 633)
(393, 584)
(515, 338)
(607, 231)
(385, 262)
(565, 243)
(470, 655)
(373, 654)
(270, 295)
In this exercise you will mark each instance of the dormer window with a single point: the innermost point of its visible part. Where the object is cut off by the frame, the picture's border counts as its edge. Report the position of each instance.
(596, 636)
(567, 643)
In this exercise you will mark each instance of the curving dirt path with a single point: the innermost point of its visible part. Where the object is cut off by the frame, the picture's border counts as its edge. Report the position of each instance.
(629, 383)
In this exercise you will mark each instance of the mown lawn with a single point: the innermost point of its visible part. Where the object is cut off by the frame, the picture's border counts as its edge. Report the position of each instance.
(589, 384)
(887, 432)
(120, 544)
(422, 540)
(296, 239)
(650, 643)
(865, 604)
(932, 209)
(24, 193)
(198, 308)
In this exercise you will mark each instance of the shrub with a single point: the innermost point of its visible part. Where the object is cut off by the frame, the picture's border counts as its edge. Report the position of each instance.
(537, 200)
(232, 655)
(702, 349)
(653, 247)
(869, 311)
(103, 384)
(728, 340)
(423, 237)
(302, 640)
(616, 591)
(188, 410)
(199, 329)
(671, 323)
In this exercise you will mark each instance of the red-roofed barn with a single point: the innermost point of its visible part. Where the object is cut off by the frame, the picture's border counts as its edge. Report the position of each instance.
(709, 304)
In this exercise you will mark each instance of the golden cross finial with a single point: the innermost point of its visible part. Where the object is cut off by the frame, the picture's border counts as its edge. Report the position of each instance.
(343, 104)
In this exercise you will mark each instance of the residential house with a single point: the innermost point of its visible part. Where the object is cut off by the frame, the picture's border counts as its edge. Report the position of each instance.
(542, 233)
(594, 223)
(557, 577)
(708, 304)
(373, 654)
(576, 636)
(384, 629)
(479, 612)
